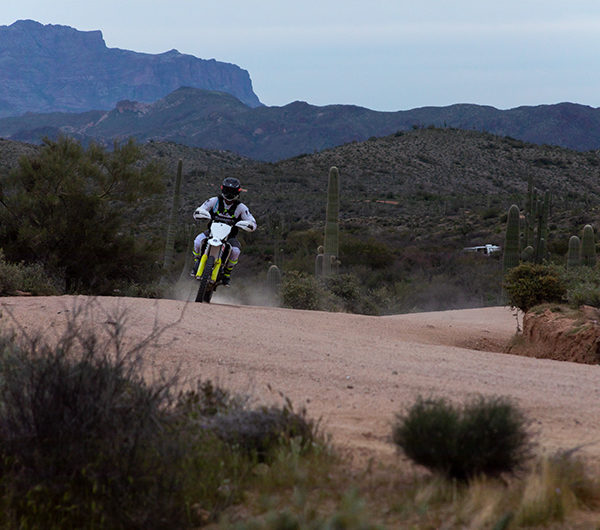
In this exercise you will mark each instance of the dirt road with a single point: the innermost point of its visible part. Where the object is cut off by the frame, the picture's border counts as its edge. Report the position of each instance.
(354, 372)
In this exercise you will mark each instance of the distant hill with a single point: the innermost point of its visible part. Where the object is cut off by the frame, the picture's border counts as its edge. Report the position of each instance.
(433, 171)
(423, 177)
(49, 68)
(216, 120)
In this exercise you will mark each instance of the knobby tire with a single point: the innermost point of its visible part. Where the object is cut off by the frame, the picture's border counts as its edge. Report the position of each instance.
(203, 295)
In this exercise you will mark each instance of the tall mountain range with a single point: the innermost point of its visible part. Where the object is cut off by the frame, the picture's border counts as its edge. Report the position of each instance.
(67, 81)
(47, 68)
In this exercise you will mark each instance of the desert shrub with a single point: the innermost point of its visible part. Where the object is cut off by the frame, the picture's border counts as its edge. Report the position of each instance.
(344, 286)
(141, 290)
(209, 400)
(370, 253)
(493, 212)
(87, 442)
(582, 285)
(530, 284)
(258, 432)
(19, 277)
(255, 431)
(344, 293)
(486, 436)
(392, 298)
(300, 291)
(37, 281)
(11, 276)
(584, 294)
(80, 438)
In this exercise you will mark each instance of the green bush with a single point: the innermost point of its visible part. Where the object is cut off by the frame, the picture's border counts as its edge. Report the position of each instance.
(11, 277)
(28, 278)
(487, 436)
(584, 294)
(341, 292)
(530, 284)
(371, 252)
(141, 290)
(345, 294)
(300, 291)
(582, 285)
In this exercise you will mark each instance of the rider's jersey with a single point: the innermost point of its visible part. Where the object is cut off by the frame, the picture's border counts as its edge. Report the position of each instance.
(236, 211)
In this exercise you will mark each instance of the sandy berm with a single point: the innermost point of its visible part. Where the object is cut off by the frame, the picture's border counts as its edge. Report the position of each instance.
(353, 372)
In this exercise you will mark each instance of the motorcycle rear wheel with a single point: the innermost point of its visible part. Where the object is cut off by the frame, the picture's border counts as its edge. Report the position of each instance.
(205, 291)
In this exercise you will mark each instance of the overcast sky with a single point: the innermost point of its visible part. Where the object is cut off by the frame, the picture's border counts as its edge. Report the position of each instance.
(380, 54)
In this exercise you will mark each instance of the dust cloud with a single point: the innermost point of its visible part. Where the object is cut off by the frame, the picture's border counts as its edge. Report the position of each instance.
(242, 292)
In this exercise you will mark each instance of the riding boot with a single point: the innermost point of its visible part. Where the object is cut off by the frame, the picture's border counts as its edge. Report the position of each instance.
(195, 263)
(227, 272)
(227, 276)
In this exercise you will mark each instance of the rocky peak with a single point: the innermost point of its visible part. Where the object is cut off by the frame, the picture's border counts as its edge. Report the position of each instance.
(29, 36)
(49, 68)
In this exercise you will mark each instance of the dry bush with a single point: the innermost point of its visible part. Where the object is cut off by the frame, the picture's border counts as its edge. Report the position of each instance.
(87, 441)
(486, 436)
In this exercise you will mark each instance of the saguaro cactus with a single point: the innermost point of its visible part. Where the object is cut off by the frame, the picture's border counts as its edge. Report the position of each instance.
(511, 241)
(530, 213)
(332, 227)
(543, 210)
(588, 247)
(573, 254)
(537, 211)
(319, 261)
(274, 280)
(170, 243)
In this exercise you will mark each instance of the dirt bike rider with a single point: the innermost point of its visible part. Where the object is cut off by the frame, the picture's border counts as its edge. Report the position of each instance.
(226, 208)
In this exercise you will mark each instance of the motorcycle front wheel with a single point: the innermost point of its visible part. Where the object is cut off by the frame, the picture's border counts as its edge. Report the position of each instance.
(205, 291)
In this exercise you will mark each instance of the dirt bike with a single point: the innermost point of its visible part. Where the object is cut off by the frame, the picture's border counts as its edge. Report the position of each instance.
(214, 255)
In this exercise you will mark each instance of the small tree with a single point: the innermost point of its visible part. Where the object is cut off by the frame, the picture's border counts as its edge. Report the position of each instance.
(530, 284)
(68, 208)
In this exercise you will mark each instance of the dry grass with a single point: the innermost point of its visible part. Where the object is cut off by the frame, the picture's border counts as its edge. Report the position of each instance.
(556, 492)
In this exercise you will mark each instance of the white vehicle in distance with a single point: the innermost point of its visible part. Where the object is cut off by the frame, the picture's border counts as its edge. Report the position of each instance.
(483, 249)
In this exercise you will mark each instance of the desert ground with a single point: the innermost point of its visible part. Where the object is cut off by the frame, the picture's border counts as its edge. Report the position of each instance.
(353, 372)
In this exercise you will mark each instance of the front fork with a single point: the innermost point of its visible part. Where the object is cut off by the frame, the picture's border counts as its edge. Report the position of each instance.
(218, 261)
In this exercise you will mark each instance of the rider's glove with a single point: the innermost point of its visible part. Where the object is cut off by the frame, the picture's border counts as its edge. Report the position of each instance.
(198, 214)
